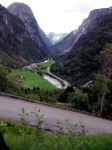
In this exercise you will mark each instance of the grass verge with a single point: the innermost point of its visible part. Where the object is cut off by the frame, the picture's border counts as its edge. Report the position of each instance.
(20, 136)
(17, 140)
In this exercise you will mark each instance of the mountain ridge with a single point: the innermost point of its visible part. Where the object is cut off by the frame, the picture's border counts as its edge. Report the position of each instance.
(81, 64)
(16, 45)
(63, 47)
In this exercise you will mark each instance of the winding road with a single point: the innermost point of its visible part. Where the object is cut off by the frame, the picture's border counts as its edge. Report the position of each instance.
(9, 109)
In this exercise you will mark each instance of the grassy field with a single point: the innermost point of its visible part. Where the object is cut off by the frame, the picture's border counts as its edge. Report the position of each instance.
(44, 65)
(20, 137)
(31, 79)
(47, 64)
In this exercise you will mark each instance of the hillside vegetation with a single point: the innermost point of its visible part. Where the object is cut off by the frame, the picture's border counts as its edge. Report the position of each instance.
(82, 63)
(88, 66)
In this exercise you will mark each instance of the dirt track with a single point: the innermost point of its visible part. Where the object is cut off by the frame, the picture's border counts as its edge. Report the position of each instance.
(9, 108)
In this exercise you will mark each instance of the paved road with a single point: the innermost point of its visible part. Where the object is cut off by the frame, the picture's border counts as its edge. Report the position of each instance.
(9, 108)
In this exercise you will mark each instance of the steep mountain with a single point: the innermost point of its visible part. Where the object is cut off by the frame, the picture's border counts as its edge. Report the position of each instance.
(45, 38)
(81, 63)
(17, 45)
(65, 46)
(56, 38)
(24, 12)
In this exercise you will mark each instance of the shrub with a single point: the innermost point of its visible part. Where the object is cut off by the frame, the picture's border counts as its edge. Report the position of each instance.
(79, 100)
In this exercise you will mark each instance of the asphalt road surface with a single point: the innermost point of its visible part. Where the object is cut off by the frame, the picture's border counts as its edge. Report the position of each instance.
(9, 109)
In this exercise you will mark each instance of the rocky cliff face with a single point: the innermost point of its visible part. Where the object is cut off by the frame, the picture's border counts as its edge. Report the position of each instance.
(17, 46)
(45, 38)
(24, 12)
(94, 14)
(65, 46)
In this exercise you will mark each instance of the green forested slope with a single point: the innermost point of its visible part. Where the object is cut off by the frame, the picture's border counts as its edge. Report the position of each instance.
(82, 63)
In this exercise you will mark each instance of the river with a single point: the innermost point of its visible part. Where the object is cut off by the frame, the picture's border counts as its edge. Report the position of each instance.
(53, 81)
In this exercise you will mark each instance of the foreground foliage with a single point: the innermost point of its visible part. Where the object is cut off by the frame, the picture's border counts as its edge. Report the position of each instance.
(19, 136)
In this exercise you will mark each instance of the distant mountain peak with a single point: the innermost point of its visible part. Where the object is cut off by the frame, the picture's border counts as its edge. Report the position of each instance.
(24, 12)
(56, 37)
(20, 9)
(68, 42)
(17, 43)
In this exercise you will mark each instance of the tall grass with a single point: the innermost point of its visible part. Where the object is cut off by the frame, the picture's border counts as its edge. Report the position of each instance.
(19, 136)
(52, 142)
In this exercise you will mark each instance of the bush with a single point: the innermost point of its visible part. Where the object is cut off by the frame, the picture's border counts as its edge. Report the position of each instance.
(79, 100)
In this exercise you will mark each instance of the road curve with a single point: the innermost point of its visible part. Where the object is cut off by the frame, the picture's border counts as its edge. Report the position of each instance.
(9, 109)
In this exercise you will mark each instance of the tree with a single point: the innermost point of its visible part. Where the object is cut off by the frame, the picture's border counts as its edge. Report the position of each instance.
(98, 91)
(107, 108)
(64, 96)
(106, 60)
(3, 78)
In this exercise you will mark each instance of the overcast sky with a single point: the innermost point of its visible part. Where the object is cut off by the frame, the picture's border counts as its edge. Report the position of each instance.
(61, 15)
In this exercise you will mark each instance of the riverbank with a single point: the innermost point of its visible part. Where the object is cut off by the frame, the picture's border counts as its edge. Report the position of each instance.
(56, 81)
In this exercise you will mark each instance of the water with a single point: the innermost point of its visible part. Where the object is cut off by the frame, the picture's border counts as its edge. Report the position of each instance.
(53, 81)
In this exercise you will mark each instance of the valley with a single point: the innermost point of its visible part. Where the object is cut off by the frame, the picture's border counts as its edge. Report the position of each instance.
(79, 57)
(34, 75)
(67, 77)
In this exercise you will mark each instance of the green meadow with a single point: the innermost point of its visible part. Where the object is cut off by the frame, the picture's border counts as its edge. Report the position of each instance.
(30, 79)
(45, 65)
